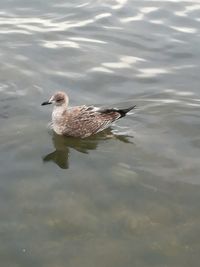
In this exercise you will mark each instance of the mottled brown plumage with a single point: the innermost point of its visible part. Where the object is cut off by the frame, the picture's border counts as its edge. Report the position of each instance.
(81, 121)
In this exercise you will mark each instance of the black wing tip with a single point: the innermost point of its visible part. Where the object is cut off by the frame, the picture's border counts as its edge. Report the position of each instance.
(124, 111)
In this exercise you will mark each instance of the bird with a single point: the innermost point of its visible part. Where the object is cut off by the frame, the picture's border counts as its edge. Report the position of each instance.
(81, 121)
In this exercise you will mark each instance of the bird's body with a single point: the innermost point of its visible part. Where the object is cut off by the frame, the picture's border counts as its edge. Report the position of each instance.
(81, 121)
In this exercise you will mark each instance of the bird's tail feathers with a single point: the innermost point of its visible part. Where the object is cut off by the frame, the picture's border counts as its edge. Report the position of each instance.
(124, 111)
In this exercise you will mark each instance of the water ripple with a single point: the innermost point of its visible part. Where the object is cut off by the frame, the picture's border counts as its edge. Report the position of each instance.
(120, 4)
(125, 62)
(60, 44)
(185, 12)
(184, 29)
(152, 72)
(87, 40)
(103, 15)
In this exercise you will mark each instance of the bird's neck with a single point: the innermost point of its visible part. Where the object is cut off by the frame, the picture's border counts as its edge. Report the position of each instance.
(58, 112)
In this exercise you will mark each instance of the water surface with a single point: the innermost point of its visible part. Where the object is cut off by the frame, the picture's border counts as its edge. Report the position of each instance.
(129, 196)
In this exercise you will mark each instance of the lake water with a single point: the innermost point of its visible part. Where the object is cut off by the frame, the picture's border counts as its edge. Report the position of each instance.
(131, 195)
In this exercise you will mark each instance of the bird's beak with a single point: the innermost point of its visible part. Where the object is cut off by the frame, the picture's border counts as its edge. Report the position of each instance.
(46, 103)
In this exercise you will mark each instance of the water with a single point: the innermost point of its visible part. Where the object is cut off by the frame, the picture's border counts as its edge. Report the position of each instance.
(130, 199)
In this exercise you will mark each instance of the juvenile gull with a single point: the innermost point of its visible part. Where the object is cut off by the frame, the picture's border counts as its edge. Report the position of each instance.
(81, 121)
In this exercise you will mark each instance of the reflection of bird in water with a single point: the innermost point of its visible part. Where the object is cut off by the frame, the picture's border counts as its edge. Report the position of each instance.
(64, 144)
(82, 121)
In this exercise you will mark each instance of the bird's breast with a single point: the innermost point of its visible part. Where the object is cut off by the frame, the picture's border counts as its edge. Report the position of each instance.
(59, 120)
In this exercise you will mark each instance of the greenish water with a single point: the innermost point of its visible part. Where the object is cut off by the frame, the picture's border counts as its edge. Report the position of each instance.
(130, 195)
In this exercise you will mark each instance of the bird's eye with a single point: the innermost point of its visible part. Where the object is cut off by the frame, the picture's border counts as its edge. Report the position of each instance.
(59, 100)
